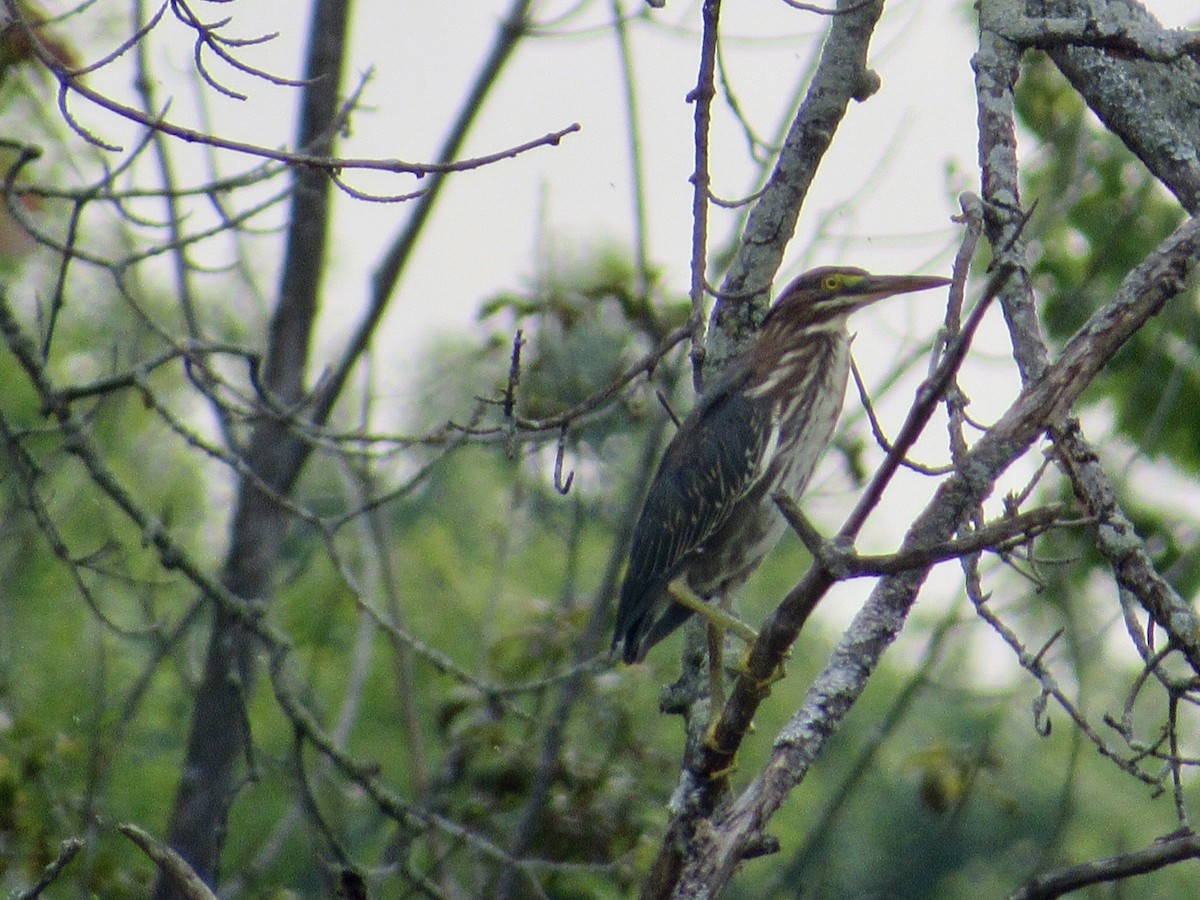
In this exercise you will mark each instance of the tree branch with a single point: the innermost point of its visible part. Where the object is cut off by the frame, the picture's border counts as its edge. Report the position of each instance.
(1150, 105)
(67, 851)
(219, 735)
(1163, 852)
(702, 96)
(716, 850)
(998, 536)
(173, 867)
(841, 76)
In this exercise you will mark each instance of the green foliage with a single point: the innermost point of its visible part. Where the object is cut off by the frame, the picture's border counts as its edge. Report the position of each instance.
(586, 321)
(67, 658)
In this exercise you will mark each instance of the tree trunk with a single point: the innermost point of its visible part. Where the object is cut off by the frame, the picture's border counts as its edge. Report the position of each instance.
(219, 729)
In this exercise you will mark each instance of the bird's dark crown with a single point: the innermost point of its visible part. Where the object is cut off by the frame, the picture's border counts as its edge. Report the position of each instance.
(826, 295)
(818, 293)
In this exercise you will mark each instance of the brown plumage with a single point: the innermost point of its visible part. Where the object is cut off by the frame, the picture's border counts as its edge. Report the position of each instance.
(759, 429)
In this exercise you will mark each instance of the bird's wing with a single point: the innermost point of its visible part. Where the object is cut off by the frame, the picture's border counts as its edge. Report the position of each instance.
(715, 458)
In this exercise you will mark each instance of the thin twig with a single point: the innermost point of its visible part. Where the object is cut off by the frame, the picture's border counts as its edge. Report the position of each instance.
(170, 864)
(877, 429)
(702, 96)
(67, 851)
(1163, 852)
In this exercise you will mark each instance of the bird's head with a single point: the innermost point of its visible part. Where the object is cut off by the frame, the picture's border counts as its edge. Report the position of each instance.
(821, 300)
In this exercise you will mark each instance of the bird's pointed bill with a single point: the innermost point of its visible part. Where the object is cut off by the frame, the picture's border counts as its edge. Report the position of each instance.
(865, 289)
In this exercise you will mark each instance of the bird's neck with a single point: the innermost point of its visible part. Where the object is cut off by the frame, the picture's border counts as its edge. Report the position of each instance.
(822, 354)
(815, 339)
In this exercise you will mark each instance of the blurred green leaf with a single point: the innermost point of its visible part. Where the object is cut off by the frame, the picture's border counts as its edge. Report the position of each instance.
(1099, 213)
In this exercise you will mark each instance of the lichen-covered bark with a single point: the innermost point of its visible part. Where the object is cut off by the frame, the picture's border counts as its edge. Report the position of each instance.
(1153, 106)
(841, 76)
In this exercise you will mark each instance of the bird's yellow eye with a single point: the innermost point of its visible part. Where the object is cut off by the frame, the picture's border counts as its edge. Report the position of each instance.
(831, 282)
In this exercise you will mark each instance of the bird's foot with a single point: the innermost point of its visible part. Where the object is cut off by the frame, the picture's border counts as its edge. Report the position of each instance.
(762, 685)
(711, 744)
(722, 773)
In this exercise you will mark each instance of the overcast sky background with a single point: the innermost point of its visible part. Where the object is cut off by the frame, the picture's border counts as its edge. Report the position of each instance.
(882, 199)
(883, 196)
(886, 172)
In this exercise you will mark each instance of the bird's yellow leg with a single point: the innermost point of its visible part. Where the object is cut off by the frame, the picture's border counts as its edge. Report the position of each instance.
(711, 612)
(716, 695)
(716, 680)
(720, 620)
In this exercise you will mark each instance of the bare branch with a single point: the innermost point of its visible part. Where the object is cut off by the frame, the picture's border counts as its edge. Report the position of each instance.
(1117, 539)
(702, 96)
(718, 849)
(67, 851)
(999, 536)
(877, 429)
(1160, 122)
(173, 866)
(1164, 852)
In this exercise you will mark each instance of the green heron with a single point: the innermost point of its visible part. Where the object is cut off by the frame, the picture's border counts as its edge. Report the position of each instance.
(758, 430)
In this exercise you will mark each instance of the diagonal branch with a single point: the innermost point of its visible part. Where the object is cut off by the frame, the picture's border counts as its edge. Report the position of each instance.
(1153, 131)
(781, 629)
(1150, 105)
(1164, 852)
(841, 76)
(1043, 404)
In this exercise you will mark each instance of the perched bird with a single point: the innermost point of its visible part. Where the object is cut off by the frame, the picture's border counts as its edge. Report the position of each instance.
(758, 430)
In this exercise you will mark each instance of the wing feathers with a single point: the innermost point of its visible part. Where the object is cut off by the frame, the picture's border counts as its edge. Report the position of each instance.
(717, 456)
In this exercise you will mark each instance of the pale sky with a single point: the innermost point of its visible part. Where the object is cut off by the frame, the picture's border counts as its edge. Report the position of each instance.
(889, 160)
(882, 199)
